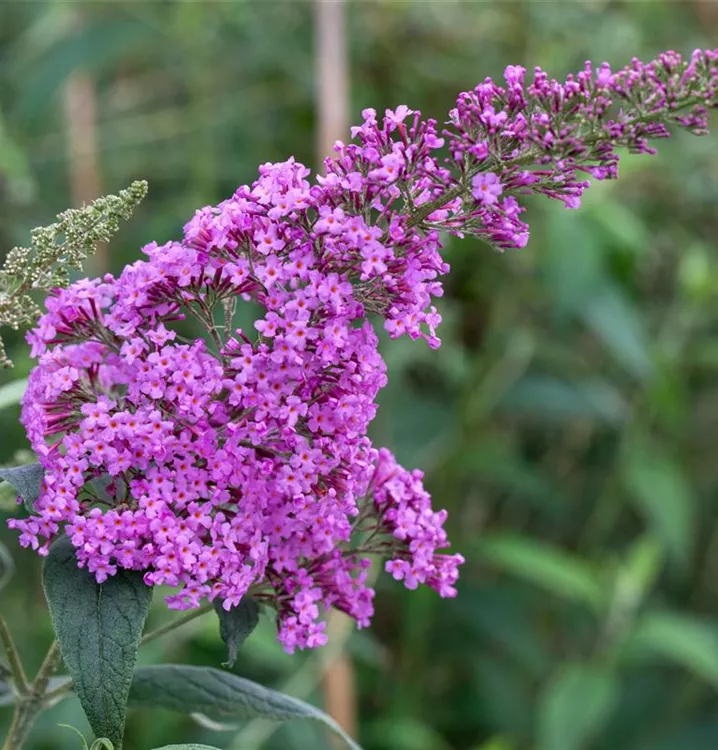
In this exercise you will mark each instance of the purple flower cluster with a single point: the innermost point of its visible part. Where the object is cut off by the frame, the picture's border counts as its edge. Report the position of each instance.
(242, 461)
(546, 137)
(239, 461)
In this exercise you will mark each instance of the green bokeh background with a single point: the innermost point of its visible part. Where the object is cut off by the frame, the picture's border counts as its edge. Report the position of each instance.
(569, 423)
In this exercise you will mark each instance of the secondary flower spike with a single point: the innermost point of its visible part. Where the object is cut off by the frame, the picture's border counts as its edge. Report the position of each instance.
(239, 461)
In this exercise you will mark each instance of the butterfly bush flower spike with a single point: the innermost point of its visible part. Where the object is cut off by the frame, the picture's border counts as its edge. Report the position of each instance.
(239, 461)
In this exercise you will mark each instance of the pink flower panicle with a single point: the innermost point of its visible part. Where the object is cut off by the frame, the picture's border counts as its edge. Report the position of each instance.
(239, 462)
(548, 137)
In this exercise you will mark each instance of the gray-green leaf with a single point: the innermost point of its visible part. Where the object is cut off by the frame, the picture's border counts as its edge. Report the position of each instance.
(236, 625)
(220, 695)
(98, 627)
(27, 481)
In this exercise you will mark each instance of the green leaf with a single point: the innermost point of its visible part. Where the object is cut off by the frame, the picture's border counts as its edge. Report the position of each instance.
(92, 46)
(661, 493)
(27, 481)
(573, 706)
(80, 735)
(685, 640)
(215, 726)
(554, 570)
(497, 743)
(557, 400)
(407, 733)
(611, 316)
(99, 487)
(220, 695)
(500, 615)
(236, 625)
(12, 393)
(16, 172)
(6, 566)
(191, 746)
(98, 627)
(571, 277)
(499, 466)
(637, 573)
(621, 225)
(506, 695)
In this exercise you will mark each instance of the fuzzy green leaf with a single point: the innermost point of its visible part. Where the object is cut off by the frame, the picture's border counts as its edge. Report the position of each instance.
(98, 627)
(220, 695)
(236, 625)
(27, 481)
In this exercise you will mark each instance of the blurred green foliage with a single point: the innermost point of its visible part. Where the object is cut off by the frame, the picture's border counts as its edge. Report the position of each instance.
(568, 423)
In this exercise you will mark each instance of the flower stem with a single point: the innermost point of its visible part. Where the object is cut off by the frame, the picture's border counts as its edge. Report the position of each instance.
(47, 669)
(428, 208)
(170, 626)
(19, 677)
(425, 209)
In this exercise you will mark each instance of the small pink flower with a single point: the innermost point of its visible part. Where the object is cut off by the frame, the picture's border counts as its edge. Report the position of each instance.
(486, 188)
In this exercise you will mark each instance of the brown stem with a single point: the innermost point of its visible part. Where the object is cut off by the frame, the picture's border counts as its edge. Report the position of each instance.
(19, 677)
(31, 703)
(47, 669)
(15, 737)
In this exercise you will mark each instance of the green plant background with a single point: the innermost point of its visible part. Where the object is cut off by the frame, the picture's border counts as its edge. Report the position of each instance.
(569, 423)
